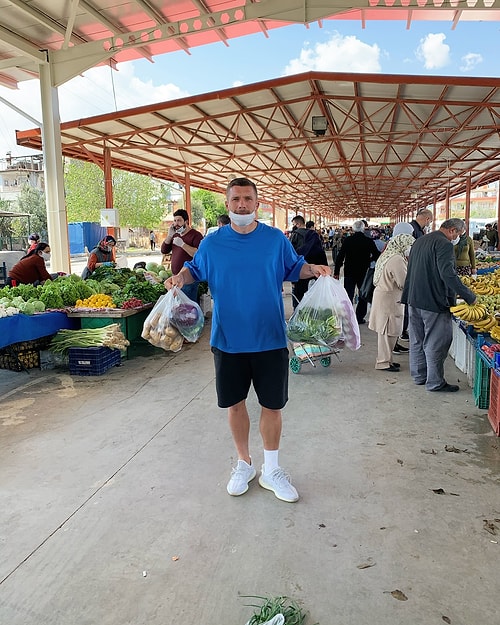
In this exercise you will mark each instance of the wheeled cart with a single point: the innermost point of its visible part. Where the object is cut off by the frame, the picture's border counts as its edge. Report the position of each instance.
(305, 352)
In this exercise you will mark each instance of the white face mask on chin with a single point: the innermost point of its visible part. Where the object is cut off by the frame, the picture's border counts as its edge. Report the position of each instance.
(241, 220)
(455, 241)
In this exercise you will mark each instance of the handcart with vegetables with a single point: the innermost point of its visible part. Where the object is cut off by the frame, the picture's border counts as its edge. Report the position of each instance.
(322, 324)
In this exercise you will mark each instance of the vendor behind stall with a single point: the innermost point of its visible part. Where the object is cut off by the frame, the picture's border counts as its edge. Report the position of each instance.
(33, 241)
(31, 268)
(101, 255)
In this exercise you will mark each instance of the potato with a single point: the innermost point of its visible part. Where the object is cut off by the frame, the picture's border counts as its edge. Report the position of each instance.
(172, 332)
(176, 344)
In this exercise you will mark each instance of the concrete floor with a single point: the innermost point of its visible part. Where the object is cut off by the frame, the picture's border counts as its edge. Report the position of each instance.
(115, 511)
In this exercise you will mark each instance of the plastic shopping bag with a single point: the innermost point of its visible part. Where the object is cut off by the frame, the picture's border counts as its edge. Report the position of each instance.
(173, 318)
(325, 316)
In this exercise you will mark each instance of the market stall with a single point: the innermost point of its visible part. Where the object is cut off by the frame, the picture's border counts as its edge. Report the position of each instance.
(131, 322)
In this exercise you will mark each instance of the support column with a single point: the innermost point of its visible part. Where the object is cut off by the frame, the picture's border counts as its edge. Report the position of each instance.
(57, 219)
(447, 204)
(187, 196)
(498, 207)
(108, 190)
(467, 204)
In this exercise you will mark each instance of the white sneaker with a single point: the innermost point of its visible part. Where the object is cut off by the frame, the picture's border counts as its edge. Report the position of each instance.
(240, 476)
(279, 482)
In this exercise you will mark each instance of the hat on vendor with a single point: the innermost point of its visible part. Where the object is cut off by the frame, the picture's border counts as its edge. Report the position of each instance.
(109, 239)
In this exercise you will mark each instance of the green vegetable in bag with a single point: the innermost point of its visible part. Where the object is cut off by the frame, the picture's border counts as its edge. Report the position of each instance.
(314, 326)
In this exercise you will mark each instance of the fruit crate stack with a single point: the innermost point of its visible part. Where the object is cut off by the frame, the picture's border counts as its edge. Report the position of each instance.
(23, 356)
(494, 407)
(481, 389)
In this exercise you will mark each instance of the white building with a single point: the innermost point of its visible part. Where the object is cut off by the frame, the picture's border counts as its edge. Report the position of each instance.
(16, 172)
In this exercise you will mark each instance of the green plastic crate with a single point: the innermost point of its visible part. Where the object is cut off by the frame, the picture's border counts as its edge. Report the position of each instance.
(481, 389)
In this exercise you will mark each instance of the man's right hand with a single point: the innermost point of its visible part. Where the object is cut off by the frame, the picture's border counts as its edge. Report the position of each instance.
(177, 281)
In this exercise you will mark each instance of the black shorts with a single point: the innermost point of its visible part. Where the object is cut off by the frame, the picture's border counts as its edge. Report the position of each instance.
(268, 371)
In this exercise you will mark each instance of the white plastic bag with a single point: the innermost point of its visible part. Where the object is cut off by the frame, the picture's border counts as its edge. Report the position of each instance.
(186, 316)
(158, 329)
(173, 318)
(325, 316)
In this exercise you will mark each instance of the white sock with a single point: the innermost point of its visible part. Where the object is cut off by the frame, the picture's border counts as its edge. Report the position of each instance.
(270, 460)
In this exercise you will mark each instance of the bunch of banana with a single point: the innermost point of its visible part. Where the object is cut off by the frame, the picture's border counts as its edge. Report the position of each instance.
(486, 325)
(470, 313)
(484, 289)
(495, 333)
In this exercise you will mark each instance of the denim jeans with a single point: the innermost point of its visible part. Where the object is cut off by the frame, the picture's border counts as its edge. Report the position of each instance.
(191, 290)
(431, 334)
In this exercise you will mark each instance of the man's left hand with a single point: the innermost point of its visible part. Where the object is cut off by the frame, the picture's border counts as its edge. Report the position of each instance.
(178, 241)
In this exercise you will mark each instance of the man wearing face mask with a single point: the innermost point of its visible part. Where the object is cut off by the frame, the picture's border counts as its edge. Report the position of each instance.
(431, 287)
(245, 265)
(183, 243)
(31, 268)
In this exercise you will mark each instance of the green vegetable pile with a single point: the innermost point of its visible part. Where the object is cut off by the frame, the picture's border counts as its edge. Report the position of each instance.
(316, 326)
(114, 275)
(122, 284)
(273, 606)
(137, 286)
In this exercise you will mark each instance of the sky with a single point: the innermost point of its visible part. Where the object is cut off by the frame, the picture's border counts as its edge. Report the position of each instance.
(427, 48)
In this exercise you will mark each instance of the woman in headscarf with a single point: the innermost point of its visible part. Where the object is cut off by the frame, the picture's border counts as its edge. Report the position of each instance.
(386, 316)
(465, 256)
(33, 241)
(101, 255)
(31, 268)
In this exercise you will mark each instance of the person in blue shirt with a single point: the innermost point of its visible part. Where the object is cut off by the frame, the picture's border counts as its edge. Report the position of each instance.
(245, 264)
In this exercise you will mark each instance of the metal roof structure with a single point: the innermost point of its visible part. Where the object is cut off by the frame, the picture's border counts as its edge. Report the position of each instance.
(392, 143)
(370, 151)
(71, 37)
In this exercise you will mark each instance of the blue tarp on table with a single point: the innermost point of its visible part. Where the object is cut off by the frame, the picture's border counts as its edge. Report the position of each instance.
(19, 328)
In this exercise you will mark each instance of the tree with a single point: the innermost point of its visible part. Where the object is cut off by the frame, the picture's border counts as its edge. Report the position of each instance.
(213, 205)
(32, 201)
(140, 200)
(84, 190)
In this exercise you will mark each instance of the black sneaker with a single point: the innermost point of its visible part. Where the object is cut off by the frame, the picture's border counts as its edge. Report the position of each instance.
(404, 336)
(446, 388)
(399, 349)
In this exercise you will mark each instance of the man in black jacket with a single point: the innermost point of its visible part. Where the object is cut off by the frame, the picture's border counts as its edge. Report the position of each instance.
(356, 254)
(306, 242)
(430, 289)
(423, 220)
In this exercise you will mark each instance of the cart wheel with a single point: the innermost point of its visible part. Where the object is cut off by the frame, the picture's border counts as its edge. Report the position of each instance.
(295, 364)
(326, 361)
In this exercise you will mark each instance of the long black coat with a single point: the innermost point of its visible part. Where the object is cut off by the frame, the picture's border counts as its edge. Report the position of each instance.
(356, 254)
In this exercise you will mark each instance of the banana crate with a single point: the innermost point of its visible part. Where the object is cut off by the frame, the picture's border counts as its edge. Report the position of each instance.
(23, 356)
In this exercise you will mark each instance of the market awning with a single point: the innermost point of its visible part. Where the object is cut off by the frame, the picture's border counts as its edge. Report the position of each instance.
(74, 36)
(391, 143)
